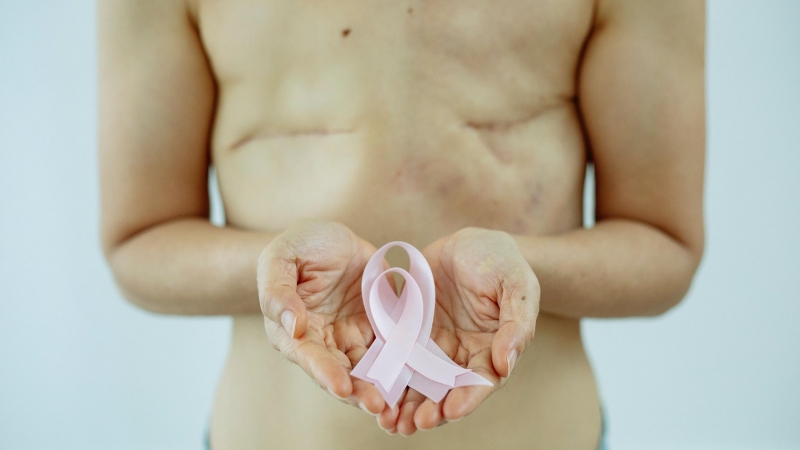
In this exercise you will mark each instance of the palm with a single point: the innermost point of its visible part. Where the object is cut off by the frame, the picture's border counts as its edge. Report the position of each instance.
(320, 265)
(336, 316)
(467, 310)
(486, 304)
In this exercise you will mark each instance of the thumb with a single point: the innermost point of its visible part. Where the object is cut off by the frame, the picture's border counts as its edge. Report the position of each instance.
(516, 328)
(277, 291)
(507, 345)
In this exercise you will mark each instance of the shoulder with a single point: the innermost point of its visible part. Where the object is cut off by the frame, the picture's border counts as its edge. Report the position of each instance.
(145, 15)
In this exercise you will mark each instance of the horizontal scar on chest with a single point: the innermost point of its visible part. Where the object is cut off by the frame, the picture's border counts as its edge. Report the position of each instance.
(318, 133)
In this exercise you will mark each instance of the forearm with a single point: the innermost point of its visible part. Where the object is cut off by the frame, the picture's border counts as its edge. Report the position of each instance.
(189, 266)
(618, 268)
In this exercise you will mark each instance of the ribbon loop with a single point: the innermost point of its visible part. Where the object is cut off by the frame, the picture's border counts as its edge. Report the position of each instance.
(400, 337)
(403, 354)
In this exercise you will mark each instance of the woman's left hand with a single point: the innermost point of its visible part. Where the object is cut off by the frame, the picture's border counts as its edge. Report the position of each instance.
(487, 301)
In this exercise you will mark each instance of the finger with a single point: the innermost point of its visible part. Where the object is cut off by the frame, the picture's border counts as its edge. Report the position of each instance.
(507, 345)
(519, 305)
(277, 288)
(314, 357)
(405, 422)
(387, 419)
(461, 401)
(429, 415)
(367, 397)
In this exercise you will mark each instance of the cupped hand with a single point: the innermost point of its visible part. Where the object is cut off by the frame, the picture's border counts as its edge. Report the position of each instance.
(309, 285)
(487, 301)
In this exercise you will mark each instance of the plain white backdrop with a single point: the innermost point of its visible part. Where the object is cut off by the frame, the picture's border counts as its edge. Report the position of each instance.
(80, 368)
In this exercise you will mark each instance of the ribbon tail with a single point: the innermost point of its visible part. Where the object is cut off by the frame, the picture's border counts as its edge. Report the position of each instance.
(391, 395)
(471, 379)
(429, 388)
(434, 367)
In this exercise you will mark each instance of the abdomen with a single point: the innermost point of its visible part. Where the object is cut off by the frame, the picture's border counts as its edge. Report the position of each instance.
(264, 401)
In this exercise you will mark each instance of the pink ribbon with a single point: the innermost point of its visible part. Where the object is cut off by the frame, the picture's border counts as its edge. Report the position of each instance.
(403, 354)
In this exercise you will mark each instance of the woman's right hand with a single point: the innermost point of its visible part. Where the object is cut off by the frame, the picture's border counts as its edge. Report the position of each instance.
(309, 286)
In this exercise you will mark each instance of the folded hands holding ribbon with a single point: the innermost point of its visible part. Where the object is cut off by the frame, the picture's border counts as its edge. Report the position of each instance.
(466, 312)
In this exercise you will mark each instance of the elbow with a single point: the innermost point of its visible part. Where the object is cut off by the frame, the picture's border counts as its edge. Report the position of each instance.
(671, 297)
(124, 271)
(678, 285)
(142, 302)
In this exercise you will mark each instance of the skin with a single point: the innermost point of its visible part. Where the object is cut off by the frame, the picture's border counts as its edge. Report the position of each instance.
(487, 300)
(309, 280)
(463, 128)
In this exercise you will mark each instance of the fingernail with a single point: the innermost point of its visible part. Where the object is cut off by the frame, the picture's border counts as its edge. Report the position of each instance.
(363, 407)
(512, 359)
(289, 322)
(392, 432)
(333, 394)
(386, 429)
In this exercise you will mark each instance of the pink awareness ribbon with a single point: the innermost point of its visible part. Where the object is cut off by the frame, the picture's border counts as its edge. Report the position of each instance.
(403, 354)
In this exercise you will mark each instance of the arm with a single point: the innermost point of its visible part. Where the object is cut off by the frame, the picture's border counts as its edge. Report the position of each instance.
(641, 95)
(156, 105)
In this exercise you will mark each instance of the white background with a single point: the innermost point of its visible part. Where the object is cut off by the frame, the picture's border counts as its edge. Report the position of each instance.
(80, 368)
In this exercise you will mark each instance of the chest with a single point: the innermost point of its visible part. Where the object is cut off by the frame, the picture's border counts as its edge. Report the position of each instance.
(323, 53)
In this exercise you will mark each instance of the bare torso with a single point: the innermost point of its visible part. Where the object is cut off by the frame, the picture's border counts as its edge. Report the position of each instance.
(404, 121)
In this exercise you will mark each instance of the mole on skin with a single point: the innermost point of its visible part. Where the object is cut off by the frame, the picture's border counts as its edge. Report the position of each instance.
(345, 32)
